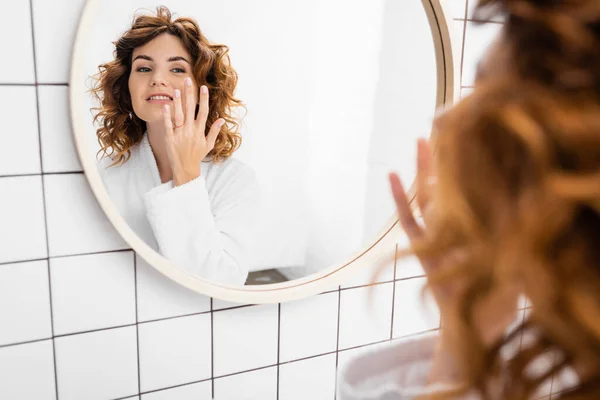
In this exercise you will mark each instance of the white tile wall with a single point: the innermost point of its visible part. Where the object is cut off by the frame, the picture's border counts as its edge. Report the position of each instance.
(313, 378)
(23, 227)
(92, 292)
(245, 338)
(150, 339)
(259, 384)
(22, 156)
(17, 29)
(24, 305)
(97, 365)
(58, 150)
(174, 351)
(27, 371)
(195, 391)
(76, 224)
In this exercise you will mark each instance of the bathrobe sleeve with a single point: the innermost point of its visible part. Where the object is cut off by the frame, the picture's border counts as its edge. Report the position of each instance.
(211, 241)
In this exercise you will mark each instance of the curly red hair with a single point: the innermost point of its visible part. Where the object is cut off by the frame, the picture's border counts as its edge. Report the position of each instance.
(120, 129)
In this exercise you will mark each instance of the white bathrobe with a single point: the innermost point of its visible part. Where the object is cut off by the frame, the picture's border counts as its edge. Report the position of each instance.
(204, 226)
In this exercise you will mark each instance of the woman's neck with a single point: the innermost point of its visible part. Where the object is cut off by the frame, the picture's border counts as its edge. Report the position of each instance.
(156, 137)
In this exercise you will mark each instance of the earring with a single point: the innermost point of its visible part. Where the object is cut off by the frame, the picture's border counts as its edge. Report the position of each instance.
(130, 116)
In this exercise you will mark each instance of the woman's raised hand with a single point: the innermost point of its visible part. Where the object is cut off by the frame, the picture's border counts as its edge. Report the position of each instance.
(185, 140)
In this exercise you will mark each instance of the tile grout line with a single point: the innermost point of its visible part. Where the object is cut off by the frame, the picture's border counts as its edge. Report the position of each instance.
(464, 39)
(278, 344)
(137, 326)
(337, 341)
(394, 293)
(212, 350)
(39, 128)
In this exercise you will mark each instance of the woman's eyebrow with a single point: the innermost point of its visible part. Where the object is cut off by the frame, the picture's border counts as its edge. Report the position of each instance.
(177, 58)
(171, 59)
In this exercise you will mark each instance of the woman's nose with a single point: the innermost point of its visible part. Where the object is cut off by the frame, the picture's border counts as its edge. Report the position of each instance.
(158, 80)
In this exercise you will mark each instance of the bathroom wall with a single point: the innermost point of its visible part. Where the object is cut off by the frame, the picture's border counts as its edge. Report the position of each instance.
(82, 318)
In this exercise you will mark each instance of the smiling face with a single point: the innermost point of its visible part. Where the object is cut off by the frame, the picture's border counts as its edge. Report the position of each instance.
(158, 68)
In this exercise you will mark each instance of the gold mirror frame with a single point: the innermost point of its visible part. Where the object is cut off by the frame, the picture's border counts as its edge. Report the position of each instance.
(328, 279)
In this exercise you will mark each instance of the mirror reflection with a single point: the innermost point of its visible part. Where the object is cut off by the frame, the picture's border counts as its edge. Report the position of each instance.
(250, 142)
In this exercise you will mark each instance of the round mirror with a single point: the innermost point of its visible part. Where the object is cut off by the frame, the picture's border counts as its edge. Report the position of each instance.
(319, 100)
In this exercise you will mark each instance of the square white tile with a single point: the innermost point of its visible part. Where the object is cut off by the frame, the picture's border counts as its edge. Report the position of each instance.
(308, 379)
(174, 352)
(245, 338)
(365, 315)
(308, 327)
(159, 297)
(478, 39)
(27, 372)
(58, 144)
(76, 223)
(17, 29)
(260, 384)
(18, 110)
(98, 365)
(458, 8)
(23, 230)
(92, 292)
(411, 315)
(55, 27)
(24, 302)
(195, 391)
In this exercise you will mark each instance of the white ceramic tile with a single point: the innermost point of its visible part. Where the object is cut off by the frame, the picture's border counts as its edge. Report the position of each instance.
(17, 43)
(412, 314)
(365, 315)
(22, 231)
(55, 26)
(174, 352)
(308, 379)
(458, 8)
(245, 338)
(76, 223)
(260, 384)
(18, 111)
(97, 365)
(308, 327)
(478, 39)
(195, 391)
(58, 144)
(24, 302)
(92, 292)
(27, 372)
(159, 297)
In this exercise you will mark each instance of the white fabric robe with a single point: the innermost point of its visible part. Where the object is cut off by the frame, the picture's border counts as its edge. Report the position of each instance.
(205, 226)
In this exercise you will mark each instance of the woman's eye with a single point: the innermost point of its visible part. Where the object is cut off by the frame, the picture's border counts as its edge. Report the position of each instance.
(178, 70)
(143, 69)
